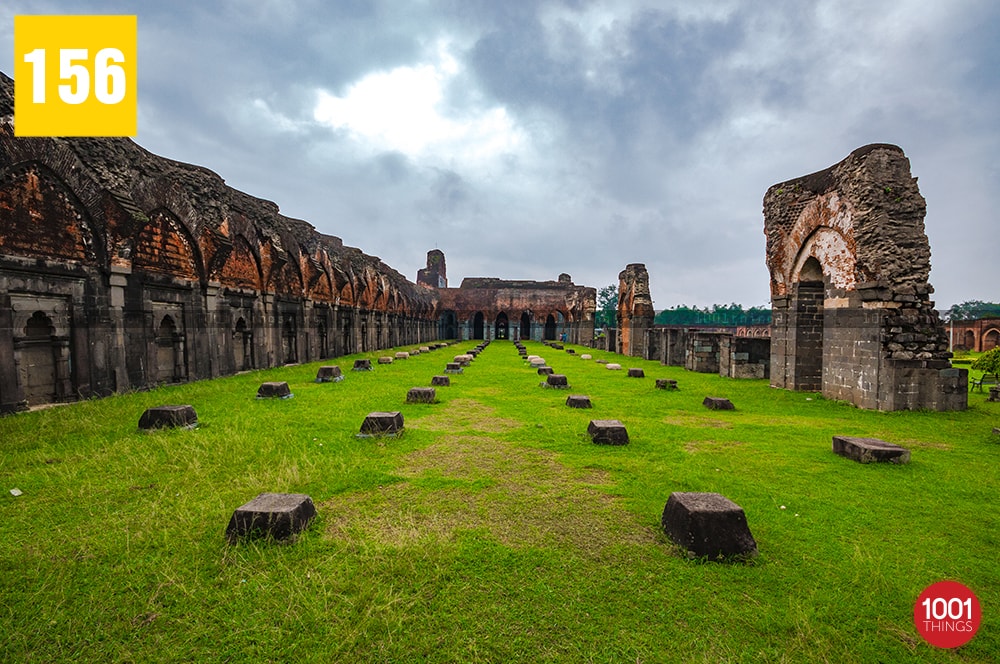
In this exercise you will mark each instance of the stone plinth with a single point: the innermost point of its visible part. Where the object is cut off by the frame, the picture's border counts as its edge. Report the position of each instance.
(537, 362)
(414, 351)
(402, 355)
(613, 366)
(545, 371)
(578, 401)
(274, 390)
(601, 361)
(329, 374)
(362, 365)
(441, 381)
(425, 349)
(382, 424)
(571, 351)
(453, 368)
(718, 403)
(708, 525)
(557, 381)
(385, 359)
(869, 450)
(994, 394)
(586, 356)
(636, 373)
(666, 384)
(274, 515)
(421, 395)
(607, 432)
(168, 417)
(464, 360)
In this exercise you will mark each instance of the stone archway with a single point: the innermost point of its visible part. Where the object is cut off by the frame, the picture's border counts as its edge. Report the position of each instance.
(807, 308)
(289, 346)
(550, 328)
(500, 326)
(243, 346)
(167, 351)
(477, 325)
(991, 339)
(525, 326)
(38, 360)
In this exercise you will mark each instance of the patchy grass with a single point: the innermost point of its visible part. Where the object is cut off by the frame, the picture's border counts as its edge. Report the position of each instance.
(493, 530)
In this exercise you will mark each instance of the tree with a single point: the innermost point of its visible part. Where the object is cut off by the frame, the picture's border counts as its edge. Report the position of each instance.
(988, 362)
(607, 307)
(972, 310)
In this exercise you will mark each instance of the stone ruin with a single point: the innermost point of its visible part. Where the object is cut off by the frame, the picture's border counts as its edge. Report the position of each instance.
(849, 263)
(635, 310)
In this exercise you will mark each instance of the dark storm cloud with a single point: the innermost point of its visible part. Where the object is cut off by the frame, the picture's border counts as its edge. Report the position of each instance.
(574, 136)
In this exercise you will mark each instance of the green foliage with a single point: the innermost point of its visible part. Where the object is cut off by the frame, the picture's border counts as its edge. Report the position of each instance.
(494, 530)
(988, 362)
(607, 307)
(973, 310)
(717, 314)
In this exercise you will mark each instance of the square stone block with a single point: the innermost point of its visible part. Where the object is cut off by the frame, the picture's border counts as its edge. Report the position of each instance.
(868, 450)
(636, 373)
(421, 395)
(168, 417)
(425, 349)
(362, 365)
(385, 359)
(578, 401)
(613, 366)
(718, 403)
(708, 525)
(329, 374)
(571, 351)
(274, 515)
(556, 380)
(607, 432)
(586, 356)
(602, 362)
(453, 368)
(441, 381)
(666, 384)
(382, 424)
(274, 390)
(402, 355)
(545, 371)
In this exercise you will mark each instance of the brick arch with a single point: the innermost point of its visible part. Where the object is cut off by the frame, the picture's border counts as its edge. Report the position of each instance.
(163, 245)
(991, 339)
(832, 252)
(242, 268)
(44, 218)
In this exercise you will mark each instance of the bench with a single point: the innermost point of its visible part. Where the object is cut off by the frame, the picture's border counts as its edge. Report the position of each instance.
(985, 379)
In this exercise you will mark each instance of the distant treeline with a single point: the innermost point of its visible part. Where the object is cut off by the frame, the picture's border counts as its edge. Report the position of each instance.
(973, 310)
(718, 314)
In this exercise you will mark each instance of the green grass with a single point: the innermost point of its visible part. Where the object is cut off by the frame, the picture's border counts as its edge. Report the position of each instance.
(492, 530)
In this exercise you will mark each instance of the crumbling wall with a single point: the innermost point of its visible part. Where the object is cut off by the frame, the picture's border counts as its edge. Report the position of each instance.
(849, 264)
(635, 310)
(120, 269)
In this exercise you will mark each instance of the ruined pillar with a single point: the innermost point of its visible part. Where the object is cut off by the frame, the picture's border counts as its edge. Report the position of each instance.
(635, 310)
(849, 264)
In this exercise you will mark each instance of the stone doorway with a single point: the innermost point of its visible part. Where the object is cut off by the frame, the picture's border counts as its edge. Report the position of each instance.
(448, 325)
(807, 309)
(477, 325)
(525, 326)
(289, 347)
(38, 360)
(500, 326)
(169, 351)
(550, 328)
(242, 337)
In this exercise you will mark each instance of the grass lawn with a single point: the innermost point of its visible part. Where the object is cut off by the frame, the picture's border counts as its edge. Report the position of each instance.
(493, 530)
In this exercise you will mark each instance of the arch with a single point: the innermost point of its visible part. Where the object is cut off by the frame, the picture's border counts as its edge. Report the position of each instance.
(550, 328)
(243, 347)
(289, 345)
(242, 267)
(43, 218)
(500, 326)
(477, 325)
(969, 340)
(164, 246)
(448, 325)
(832, 255)
(807, 314)
(525, 331)
(991, 339)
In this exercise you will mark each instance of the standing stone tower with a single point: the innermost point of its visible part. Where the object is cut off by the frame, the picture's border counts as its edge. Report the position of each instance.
(435, 274)
(635, 310)
(849, 263)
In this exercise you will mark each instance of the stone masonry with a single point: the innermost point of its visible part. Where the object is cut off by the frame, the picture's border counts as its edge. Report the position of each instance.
(635, 310)
(849, 264)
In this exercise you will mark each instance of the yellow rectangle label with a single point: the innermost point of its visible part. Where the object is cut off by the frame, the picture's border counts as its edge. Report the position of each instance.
(75, 75)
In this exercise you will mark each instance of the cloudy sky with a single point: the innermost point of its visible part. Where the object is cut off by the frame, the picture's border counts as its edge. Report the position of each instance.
(526, 139)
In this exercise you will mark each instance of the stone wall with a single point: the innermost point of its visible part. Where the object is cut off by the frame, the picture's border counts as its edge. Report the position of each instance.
(976, 335)
(666, 344)
(121, 270)
(849, 263)
(704, 351)
(635, 310)
(744, 357)
(492, 308)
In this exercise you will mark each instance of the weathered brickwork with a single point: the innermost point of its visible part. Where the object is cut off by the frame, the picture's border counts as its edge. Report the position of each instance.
(635, 310)
(977, 335)
(120, 269)
(849, 263)
(491, 308)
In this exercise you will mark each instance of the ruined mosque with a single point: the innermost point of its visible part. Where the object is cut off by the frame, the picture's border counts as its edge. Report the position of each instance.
(122, 270)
